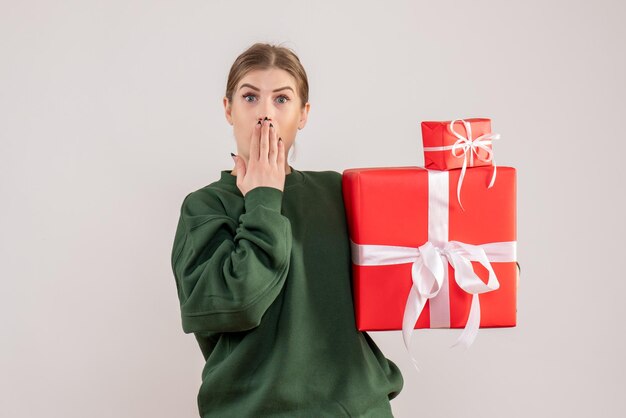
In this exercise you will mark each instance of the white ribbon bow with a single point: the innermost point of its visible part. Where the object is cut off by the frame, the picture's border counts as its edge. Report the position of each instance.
(429, 271)
(468, 147)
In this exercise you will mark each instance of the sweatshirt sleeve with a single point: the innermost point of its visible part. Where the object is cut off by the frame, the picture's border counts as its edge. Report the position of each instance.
(228, 273)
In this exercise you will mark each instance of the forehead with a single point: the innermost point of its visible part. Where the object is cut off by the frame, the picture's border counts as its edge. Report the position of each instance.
(268, 79)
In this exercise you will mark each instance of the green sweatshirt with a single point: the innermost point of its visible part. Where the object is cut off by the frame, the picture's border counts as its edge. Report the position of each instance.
(264, 283)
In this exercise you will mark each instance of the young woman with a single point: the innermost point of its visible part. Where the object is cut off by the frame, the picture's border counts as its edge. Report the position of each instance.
(262, 264)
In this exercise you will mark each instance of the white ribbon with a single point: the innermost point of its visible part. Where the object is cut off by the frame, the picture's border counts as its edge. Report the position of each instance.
(429, 272)
(468, 148)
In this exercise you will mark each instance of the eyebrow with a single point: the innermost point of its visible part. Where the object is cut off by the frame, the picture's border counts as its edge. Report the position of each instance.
(258, 89)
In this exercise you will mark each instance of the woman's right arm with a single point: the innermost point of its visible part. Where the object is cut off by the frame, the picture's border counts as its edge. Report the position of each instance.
(228, 273)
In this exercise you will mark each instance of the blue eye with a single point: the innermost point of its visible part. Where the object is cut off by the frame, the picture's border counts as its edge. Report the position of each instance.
(245, 96)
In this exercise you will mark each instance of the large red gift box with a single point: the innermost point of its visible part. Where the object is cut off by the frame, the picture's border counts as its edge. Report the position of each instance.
(397, 217)
(457, 143)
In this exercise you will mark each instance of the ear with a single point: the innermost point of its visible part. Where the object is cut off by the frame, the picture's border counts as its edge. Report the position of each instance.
(228, 110)
(304, 115)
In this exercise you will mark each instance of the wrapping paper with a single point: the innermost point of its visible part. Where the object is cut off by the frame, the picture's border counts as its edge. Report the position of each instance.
(400, 217)
(453, 143)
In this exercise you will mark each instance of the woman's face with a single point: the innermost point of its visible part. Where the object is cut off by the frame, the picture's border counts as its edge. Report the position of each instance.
(267, 93)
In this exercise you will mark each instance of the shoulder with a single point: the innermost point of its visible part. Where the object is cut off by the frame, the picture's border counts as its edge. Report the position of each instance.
(322, 177)
(210, 199)
(327, 182)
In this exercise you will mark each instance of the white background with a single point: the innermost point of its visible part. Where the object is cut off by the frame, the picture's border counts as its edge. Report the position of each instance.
(111, 112)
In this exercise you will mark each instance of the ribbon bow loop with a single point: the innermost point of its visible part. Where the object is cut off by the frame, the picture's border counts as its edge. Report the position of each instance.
(461, 255)
(470, 147)
(428, 273)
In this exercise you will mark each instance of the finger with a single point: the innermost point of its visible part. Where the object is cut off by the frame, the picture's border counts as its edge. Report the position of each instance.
(264, 145)
(280, 158)
(273, 145)
(240, 166)
(254, 142)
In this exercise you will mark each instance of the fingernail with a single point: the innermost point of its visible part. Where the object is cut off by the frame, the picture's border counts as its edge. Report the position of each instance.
(280, 139)
(265, 118)
(271, 126)
(234, 156)
(259, 122)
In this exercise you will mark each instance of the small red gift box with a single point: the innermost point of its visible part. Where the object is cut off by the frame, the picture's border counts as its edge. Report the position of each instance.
(457, 143)
(420, 261)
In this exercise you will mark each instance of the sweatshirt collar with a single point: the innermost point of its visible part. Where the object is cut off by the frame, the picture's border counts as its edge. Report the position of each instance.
(291, 179)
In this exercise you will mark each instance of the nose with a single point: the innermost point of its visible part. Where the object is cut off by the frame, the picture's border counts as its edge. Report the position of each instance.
(266, 109)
